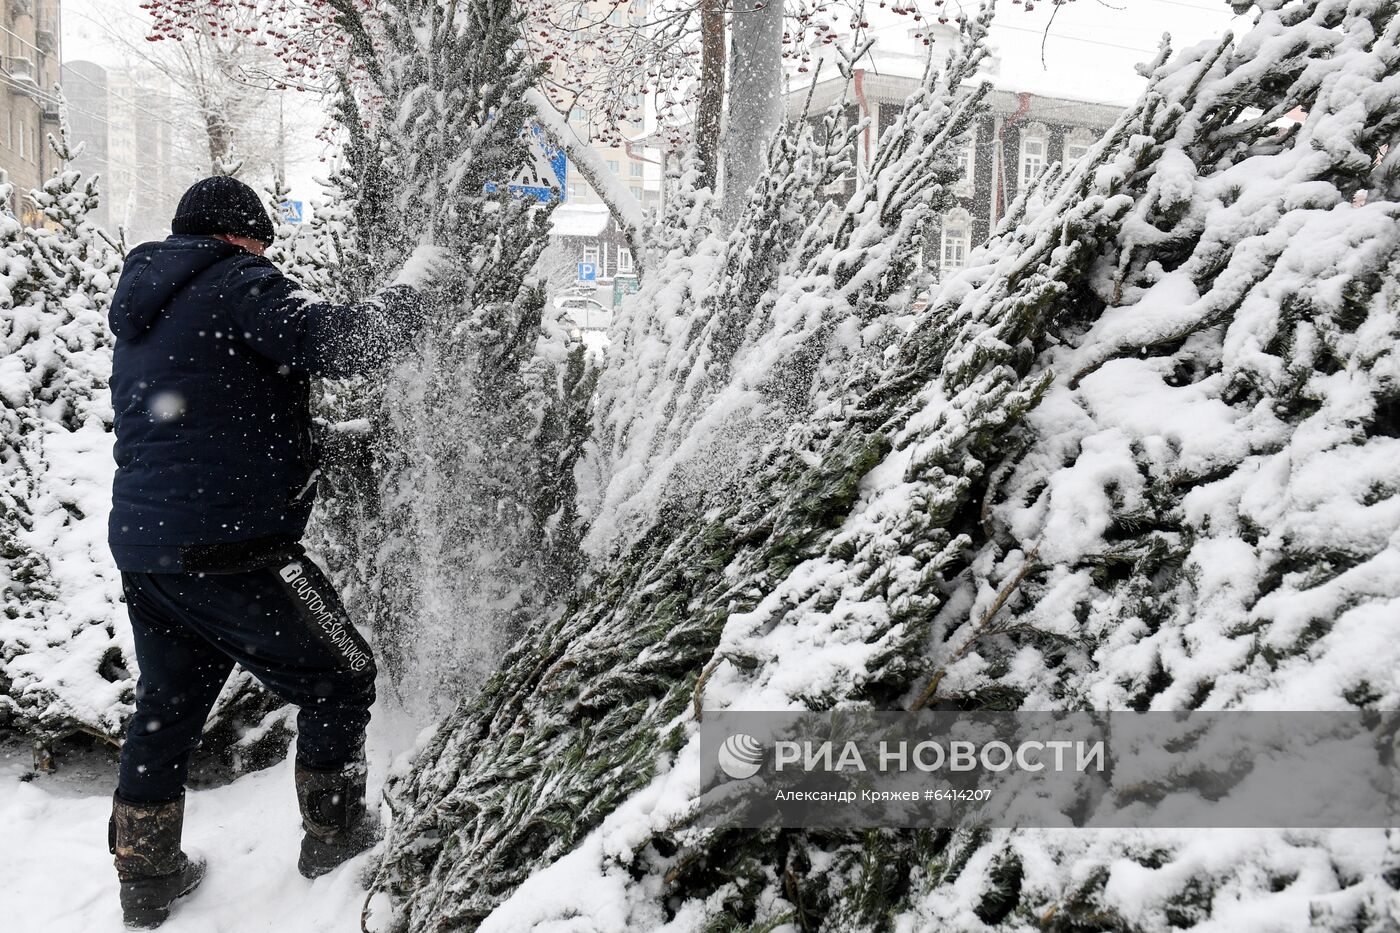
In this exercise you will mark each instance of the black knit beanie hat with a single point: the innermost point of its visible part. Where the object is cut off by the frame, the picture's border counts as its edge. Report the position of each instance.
(222, 204)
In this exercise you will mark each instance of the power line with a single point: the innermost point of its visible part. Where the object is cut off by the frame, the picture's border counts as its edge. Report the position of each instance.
(1111, 45)
(22, 39)
(1002, 24)
(172, 122)
(1217, 8)
(45, 95)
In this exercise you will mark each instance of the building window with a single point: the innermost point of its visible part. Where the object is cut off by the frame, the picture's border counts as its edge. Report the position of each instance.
(624, 261)
(634, 169)
(590, 254)
(613, 166)
(1033, 148)
(956, 241)
(969, 161)
(637, 192)
(1077, 145)
(9, 129)
(573, 191)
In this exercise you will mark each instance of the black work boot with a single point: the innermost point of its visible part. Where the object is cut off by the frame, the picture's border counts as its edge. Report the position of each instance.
(145, 838)
(333, 815)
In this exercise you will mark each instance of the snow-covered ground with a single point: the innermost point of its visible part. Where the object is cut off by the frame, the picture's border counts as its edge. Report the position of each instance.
(56, 875)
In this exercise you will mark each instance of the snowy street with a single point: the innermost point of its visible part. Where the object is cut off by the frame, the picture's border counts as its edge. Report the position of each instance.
(58, 873)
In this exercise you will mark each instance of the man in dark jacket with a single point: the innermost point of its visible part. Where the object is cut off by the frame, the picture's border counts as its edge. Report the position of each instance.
(216, 472)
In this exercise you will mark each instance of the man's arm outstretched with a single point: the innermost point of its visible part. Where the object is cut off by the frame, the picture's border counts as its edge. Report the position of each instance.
(280, 321)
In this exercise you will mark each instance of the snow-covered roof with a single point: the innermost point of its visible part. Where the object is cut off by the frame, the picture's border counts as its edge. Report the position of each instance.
(894, 69)
(586, 220)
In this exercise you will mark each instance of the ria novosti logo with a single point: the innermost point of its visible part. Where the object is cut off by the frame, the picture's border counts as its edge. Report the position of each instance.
(741, 756)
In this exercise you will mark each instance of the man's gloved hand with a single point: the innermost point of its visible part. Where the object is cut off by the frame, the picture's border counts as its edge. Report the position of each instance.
(424, 263)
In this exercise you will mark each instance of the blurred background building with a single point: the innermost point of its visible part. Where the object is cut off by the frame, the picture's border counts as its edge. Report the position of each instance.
(29, 73)
(121, 116)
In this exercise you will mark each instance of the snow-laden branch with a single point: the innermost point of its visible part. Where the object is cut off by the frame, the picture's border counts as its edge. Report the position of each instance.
(625, 209)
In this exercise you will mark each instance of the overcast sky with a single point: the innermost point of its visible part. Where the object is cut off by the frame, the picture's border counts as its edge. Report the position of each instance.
(1087, 52)
(1091, 47)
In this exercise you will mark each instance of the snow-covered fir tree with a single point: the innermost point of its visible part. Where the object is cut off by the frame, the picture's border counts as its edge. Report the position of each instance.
(310, 251)
(453, 520)
(63, 664)
(739, 336)
(24, 572)
(1140, 454)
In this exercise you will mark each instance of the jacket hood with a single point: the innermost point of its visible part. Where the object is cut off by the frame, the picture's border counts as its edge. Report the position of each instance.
(156, 272)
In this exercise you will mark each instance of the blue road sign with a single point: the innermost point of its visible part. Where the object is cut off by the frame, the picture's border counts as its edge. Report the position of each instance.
(291, 211)
(588, 272)
(547, 171)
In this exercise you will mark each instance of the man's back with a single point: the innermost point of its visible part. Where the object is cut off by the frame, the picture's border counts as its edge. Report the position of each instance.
(210, 385)
(213, 438)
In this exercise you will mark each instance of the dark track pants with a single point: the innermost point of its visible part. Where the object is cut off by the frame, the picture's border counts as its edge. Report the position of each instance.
(283, 623)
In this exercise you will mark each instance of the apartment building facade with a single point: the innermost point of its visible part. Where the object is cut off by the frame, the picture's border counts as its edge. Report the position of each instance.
(122, 118)
(30, 32)
(1020, 134)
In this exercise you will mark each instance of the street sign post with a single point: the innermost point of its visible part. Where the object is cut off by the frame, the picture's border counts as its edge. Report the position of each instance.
(588, 272)
(292, 211)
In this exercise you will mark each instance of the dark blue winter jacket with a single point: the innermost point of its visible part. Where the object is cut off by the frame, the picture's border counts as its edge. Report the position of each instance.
(211, 388)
